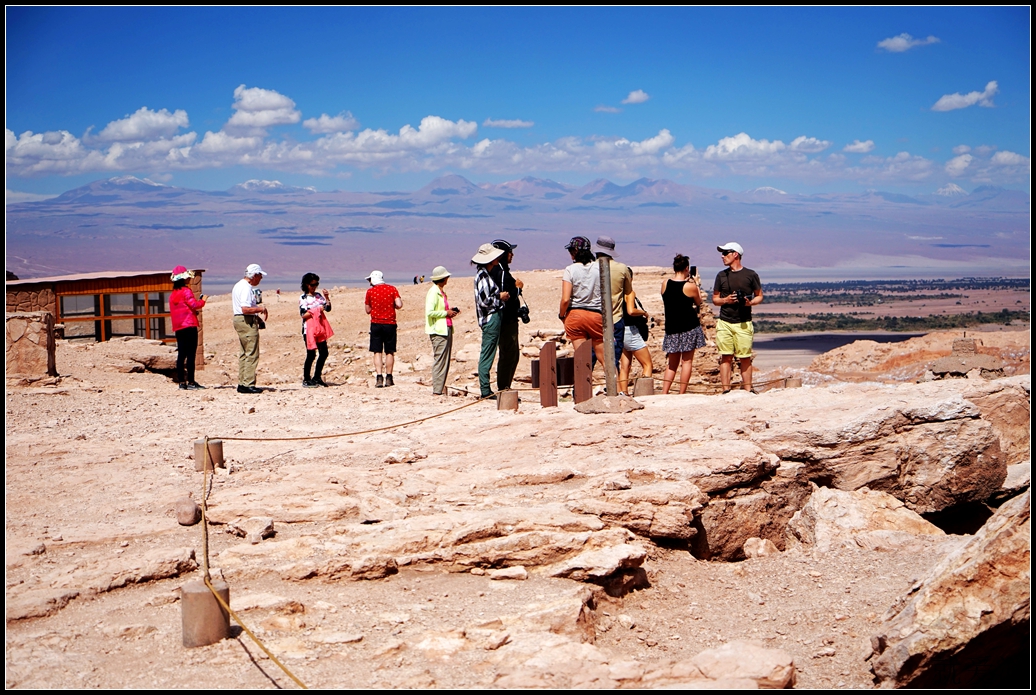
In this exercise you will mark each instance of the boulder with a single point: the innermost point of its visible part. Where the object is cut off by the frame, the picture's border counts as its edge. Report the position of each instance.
(928, 447)
(1004, 404)
(837, 518)
(768, 668)
(965, 625)
(608, 404)
(759, 547)
(188, 513)
(253, 529)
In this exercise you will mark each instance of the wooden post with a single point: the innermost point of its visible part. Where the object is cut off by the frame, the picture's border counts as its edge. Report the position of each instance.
(582, 384)
(549, 375)
(610, 377)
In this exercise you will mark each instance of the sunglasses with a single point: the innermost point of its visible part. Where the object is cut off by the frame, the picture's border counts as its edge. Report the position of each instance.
(727, 252)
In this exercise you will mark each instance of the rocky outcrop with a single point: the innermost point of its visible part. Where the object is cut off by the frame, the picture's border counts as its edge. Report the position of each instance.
(930, 449)
(1005, 404)
(967, 623)
(867, 518)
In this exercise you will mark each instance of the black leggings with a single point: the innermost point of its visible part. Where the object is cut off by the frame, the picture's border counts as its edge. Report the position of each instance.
(310, 356)
(186, 350)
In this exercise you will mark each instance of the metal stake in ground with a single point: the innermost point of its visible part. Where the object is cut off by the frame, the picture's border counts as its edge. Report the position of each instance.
(610, 377)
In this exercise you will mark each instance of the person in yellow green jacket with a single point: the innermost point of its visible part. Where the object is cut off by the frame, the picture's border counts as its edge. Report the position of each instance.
(438, 324)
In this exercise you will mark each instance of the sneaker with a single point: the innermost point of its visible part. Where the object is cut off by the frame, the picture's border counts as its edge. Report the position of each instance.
(184, 386)
(319, 382)
(310, 384)
(248, 389)
(388, 380)
(194, 386)
(380, 383)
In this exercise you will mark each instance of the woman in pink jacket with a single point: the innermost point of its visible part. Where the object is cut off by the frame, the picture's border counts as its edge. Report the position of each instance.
(183, 310)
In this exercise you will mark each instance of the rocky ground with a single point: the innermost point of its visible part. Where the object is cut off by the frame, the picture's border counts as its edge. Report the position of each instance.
(537, 548)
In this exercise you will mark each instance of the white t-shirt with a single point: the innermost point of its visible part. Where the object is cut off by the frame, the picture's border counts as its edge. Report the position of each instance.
(242, 296)
(586, 285)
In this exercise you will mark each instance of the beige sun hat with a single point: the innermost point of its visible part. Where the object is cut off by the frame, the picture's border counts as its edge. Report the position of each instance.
(487, 253)
(440, 273)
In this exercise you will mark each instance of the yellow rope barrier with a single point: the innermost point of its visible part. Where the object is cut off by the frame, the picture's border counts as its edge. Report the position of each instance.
(206, 467)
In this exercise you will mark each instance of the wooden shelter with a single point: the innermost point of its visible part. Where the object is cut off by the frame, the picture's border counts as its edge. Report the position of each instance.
(105, 305)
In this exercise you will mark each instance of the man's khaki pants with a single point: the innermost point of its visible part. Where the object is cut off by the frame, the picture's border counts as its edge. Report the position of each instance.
(247, 328)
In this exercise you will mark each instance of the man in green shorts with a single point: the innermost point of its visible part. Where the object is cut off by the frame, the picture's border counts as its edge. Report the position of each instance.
(736, 291)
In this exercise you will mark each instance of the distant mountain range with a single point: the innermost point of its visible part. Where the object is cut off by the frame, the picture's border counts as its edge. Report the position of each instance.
(131, 223)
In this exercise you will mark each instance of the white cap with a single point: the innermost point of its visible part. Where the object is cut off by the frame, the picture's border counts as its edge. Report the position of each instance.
(253, 270)
(376, 278)
(731, 246)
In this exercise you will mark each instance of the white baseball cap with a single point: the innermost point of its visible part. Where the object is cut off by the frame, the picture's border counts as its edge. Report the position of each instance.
(731, 246)
(376, 277)
(253, 270)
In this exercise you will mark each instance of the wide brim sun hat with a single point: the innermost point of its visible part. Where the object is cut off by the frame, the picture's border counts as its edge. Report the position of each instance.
(487, 253)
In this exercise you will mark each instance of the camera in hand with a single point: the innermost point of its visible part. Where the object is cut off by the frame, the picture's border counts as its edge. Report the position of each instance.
(743, 297)
(523, 314)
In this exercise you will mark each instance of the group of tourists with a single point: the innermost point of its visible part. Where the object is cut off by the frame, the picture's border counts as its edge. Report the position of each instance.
(498, 309)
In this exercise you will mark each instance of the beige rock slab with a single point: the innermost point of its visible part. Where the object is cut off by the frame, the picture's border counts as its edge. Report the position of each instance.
(833, 518)
(967, 623)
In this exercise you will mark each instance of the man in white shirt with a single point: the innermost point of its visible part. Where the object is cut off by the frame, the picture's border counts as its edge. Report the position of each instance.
(249, 315)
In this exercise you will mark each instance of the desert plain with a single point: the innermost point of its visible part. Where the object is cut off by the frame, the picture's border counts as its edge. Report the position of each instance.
(388, 538)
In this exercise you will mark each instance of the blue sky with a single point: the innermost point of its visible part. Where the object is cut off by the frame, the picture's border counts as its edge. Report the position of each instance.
(802, 99)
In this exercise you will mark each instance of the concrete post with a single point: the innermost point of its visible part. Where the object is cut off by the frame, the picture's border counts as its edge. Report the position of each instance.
(204, 620)
(215, 454)
(507, 400)
(644, 386)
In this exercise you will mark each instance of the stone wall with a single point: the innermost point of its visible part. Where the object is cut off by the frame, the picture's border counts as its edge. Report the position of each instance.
(41, 299)
(30, 344)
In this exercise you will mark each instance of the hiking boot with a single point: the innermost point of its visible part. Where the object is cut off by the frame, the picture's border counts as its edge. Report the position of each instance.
(319, 382)
(380, 383)
(388, 380)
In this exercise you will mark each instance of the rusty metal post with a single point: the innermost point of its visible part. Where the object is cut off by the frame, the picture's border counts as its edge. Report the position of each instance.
(549, 375)
(610, 375)
(582, 384)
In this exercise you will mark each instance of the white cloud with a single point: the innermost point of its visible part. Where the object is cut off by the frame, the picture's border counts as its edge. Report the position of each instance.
(601, 108)
(904, 42)
(950, 102)
(257, 109)
(144, 124)
(742, 146)
(859, 147)
(507, 123)
(1006, 158)
(810, 145)
(637, 96)
(958, 165)
(331, 124)
(961, 149)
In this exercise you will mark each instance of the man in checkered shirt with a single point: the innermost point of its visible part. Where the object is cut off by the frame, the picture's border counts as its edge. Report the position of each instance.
(489, 303)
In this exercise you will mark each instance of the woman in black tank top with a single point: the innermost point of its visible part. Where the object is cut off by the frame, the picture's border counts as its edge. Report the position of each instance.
(683, 333)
